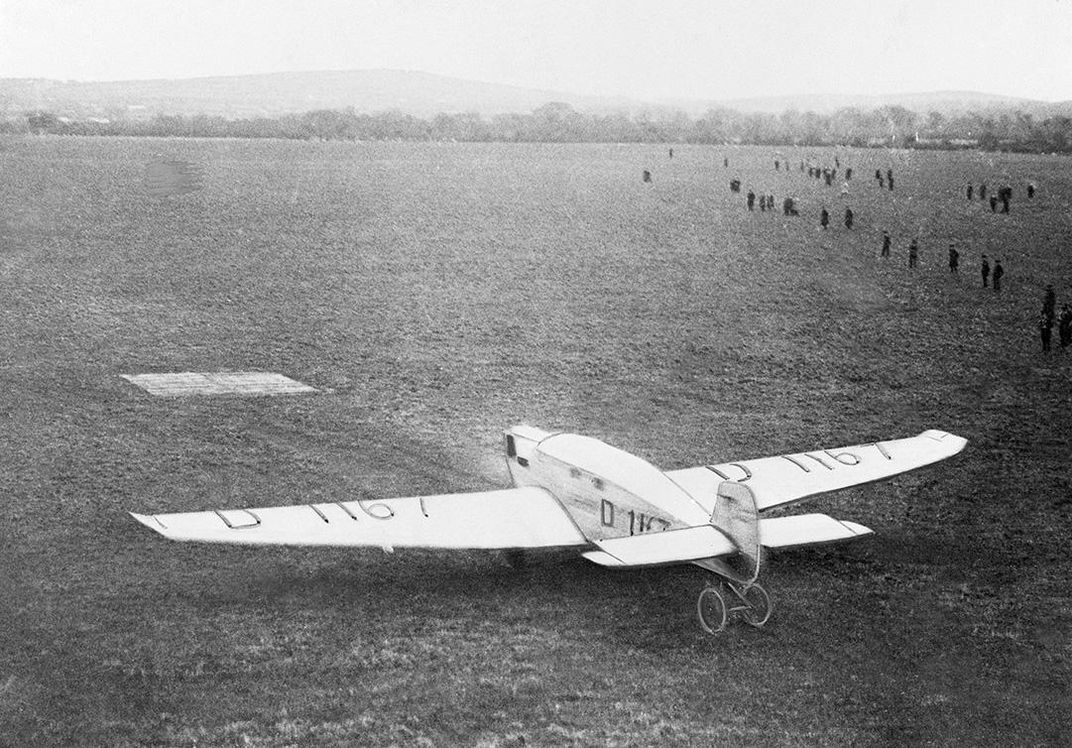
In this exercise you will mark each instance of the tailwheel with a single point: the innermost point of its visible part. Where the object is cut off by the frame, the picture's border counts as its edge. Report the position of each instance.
(757, 605)
(711, 610)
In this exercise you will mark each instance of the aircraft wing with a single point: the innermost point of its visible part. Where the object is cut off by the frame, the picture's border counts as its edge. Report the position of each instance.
(510, 518)
(788, 478)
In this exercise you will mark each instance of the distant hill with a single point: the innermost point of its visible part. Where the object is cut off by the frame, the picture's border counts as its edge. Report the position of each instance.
(416, 93)
(272, 94)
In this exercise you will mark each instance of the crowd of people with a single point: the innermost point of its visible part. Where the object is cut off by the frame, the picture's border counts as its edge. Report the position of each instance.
(991, 275)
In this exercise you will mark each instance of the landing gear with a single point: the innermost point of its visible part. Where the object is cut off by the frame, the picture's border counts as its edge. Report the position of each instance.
(751, 601)
(711, 609)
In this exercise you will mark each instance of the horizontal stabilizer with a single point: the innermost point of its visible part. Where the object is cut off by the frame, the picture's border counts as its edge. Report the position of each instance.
(807, 529)
(668, 547)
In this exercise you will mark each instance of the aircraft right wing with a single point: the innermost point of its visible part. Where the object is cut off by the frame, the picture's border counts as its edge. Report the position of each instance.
(788, 478)
(513, 518)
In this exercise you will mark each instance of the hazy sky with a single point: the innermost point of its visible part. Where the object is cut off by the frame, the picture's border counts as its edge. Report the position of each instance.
(649, 49)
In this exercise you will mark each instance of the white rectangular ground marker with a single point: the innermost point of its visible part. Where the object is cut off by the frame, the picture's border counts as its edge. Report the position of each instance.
(181, 384)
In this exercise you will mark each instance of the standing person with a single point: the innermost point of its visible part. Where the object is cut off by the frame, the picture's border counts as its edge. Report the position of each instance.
(885, 244)
(993, 204)
(1049, 302)
(824, 218)
(777, 166)
(982, 191)
(985, 270)
(913, 253)
(1064, 325)
(751, 199)
(848, 218)
(671, 153)
(726, 162)
(848, 174)
(954, 259)
(1045, 325)
(889, 178)
(999, 271)
(971, 187)
(1030, 189)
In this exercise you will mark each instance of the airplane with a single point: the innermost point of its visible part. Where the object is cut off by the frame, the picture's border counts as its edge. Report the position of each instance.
(615, 508)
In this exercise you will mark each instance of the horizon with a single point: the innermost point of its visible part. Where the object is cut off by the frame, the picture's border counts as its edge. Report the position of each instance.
(800, 94)
(637, 49)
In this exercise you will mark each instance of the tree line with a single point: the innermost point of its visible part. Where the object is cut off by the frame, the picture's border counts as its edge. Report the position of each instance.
(557, 122)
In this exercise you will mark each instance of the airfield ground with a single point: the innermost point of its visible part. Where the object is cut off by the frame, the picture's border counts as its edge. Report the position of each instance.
(438, 293)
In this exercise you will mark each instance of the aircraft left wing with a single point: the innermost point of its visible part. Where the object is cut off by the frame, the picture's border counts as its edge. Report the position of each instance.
(510, 518)
(788, 478)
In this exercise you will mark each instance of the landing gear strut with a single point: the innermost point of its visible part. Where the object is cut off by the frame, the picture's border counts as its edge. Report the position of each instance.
(750, 601)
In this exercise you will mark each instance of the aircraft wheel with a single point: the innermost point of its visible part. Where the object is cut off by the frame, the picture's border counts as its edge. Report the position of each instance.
(711, 610)
(759, 606)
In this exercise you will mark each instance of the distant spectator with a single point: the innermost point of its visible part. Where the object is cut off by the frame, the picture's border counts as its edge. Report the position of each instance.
(885, 244)
(777, 165)
(751, 199)
(671, 153)
(1030, 189)
(913, 253)
(726, 162)
(1064, 326)
(788, 207)
(1045, 326)
(971, 188)
(646, 176)
(954, 259)
(848, 218)
(993, 204)
(889, 178)
(848, 174)
(982, 191)
(985, 271)
(824, 218)
(735, 185)
(770, 202)
(1049, 302)
(763, 203)
(999, 271)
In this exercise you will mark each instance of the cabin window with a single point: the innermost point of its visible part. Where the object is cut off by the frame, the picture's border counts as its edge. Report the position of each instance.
(598, 483)
(574, 473)
(511, 448)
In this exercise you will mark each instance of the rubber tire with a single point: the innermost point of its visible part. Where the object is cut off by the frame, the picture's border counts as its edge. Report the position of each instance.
(713, 596)
(760, 611)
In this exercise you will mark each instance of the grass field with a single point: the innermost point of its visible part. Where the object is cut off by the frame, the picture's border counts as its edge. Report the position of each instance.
(438, 293)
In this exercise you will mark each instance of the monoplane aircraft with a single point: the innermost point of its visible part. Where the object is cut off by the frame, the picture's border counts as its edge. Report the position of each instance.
(617, 509)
